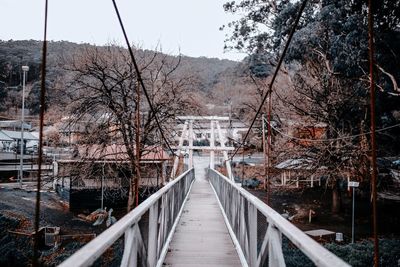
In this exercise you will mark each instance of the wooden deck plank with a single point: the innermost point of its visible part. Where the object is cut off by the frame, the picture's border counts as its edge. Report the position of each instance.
(201, 237)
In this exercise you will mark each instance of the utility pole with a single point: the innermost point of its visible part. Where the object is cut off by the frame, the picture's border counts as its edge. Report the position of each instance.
(243, 165)
(190, 165)
(264, 152)
(25, 69)
(137, 144)
(102, 186)
(269, 143)
(373, 129)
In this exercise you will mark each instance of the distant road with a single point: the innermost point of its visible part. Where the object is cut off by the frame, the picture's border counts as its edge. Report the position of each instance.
(26, 167)
(255, 158)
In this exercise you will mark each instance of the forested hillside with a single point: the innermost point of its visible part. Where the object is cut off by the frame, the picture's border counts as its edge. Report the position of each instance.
(205, 73)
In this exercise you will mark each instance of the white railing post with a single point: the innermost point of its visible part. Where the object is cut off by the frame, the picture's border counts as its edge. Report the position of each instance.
(264, 247)
(252, 228)
(243, 237)
(275, 254)
(152, 240)
(129, 257)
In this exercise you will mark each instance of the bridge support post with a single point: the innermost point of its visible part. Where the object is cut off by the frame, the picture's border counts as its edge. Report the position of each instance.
(225, 153)
(212, 145)
(176, 161)
(190, 144)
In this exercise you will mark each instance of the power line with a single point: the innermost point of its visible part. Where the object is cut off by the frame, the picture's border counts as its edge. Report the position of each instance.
(303, 5)
(140, 79)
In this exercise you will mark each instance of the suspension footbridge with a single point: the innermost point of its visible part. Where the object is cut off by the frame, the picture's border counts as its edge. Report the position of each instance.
(203, 218)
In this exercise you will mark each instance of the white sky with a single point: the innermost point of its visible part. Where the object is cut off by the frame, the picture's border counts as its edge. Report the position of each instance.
(191, 26)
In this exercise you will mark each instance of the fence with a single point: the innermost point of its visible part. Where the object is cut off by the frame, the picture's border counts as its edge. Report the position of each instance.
(147, 230)
(257, 229)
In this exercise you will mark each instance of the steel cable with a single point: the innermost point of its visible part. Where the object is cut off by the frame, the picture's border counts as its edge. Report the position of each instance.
(292, 31)
(140, 79)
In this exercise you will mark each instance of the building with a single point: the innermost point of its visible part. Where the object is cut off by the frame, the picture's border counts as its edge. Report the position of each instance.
(104, 172)
(10, 141)
(5, 142)
(299, 170)
(72, 133)
(295, 171)
(14, 125)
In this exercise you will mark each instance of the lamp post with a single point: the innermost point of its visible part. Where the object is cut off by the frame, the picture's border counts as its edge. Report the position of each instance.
(25, 69)
(353, 185)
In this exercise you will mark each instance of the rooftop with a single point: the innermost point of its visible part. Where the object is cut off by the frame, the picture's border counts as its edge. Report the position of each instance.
(16, 135)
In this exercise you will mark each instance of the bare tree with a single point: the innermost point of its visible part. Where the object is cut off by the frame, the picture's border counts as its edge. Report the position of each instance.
(104, 92)
(320, 100)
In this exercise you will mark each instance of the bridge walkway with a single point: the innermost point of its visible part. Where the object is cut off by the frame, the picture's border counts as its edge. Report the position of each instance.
(201, 237)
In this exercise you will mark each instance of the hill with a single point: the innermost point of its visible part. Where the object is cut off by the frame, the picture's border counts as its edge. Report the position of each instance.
(207, 72)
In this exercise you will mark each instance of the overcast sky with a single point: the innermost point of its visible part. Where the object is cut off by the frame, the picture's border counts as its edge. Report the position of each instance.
(191, 26)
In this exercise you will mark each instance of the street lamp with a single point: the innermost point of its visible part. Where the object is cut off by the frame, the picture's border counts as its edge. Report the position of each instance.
(25, 69)
(353, 185)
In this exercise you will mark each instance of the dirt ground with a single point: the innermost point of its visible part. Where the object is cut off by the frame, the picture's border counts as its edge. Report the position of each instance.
(54, 211)
(17, 213)
(17, 209)
(297, 203)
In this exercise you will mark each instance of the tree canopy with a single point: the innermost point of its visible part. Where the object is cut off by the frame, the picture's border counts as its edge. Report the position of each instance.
(327, 71)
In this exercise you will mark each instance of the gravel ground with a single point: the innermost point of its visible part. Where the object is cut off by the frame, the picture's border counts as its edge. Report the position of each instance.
(53, 211)
(17, 209)
(298, 202)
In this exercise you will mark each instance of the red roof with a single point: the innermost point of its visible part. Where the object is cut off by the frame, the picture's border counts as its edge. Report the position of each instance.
(118, 152)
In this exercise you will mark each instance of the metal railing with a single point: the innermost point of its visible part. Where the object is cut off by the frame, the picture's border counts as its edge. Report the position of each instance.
(257, 229)
(147, 229)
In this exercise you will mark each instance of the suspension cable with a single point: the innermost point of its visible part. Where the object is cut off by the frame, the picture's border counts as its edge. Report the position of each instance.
(40, 160)
(140, 79)
(303, 5)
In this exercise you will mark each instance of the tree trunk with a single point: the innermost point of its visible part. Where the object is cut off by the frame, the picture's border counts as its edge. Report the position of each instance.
(131, 195)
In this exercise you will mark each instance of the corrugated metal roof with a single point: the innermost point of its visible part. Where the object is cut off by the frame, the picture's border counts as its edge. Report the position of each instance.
(15, 135)
(4, 137)
(295, 164)
(118, 152)
(14, 124)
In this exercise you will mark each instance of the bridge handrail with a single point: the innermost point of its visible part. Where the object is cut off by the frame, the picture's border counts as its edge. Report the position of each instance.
(162, 221)
(233, 200)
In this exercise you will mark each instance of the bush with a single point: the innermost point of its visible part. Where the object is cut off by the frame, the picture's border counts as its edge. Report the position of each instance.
(362, 253)
(359, 254)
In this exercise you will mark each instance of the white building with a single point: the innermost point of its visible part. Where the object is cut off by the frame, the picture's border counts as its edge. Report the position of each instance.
(10, 140)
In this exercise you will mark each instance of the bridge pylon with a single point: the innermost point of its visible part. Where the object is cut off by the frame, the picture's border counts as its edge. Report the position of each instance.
(187, 134)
